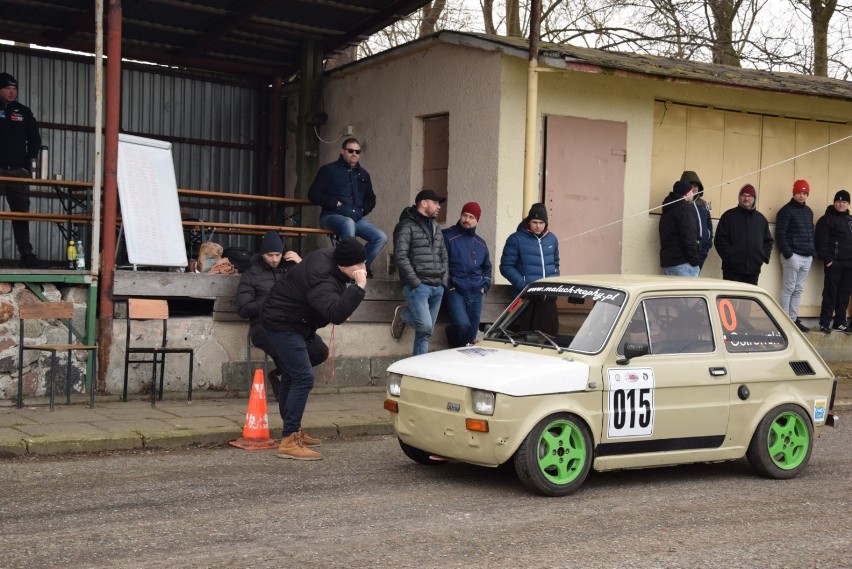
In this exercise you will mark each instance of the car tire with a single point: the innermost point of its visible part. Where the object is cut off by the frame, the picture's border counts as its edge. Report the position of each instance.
(782, 443)
(419, 456)
(555, 456)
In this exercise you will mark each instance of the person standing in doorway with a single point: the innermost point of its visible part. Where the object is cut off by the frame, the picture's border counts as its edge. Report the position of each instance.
(833, 239)
(743, 240)
(344, 190)
(794, 233)
(421, 258)
(470, 276)
(531, 252)
(679, 236)
(20, 143)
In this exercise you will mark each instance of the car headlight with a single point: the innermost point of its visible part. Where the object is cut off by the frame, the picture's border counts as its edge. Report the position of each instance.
(394, 383)
(483, 402)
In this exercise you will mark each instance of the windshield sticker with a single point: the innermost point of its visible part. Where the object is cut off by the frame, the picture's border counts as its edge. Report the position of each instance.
(597, 294)
(631, 402)
(477, 352)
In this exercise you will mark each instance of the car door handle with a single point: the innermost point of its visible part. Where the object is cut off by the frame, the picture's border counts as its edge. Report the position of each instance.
(718, 371)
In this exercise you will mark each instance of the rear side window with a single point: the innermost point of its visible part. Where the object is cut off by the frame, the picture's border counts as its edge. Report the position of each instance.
(671, 325)
(747, 327)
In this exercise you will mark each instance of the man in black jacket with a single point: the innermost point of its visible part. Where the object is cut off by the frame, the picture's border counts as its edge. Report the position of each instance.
(743, 240)
(833, 238)
(316, 292)
(20, 142)
(421, 258)
(702, 212)
(267, 267)
(679, 236)
(794, 233)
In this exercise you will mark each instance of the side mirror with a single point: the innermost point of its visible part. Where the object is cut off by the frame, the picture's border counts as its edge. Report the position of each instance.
(631, 351)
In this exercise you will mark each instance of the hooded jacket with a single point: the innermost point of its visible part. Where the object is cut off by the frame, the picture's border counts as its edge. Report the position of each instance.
(419, 251)
(255, 285)
(705, 221)
(679, 242)
(314, 294)
(351, 186)
(528, 257)
(743, 240)
(469, 263)
(833, 237)
(794, 230)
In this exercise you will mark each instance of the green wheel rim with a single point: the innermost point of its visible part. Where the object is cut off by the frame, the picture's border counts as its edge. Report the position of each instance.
(561, 452)
(788, 440)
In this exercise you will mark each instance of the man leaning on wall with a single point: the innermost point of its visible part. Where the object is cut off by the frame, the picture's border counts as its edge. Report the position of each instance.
(794, 233)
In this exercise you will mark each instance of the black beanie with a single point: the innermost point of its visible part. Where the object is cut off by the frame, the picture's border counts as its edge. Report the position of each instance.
(681, 188)
(7, 80)
(537, 211)
(841, 195)
(271, 243)
(349, 252)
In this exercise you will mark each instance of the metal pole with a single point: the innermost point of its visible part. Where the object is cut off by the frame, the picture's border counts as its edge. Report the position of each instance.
(530, 136)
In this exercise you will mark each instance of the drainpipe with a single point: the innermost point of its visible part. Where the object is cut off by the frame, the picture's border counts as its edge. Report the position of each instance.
(530, 138)
(275, 135)
(113, 118)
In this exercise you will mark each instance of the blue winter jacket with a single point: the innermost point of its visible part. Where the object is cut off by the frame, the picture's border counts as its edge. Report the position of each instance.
(352, 187)
(470, 265)
(527, 258)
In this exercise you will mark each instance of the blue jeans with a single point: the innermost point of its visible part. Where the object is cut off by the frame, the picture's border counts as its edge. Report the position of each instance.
(346, 227)
(464, 309)
(684, 270)
(296, 356)
(421, 313)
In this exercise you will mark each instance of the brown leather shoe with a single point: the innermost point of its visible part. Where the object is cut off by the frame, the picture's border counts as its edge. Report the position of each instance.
(309, 441)
(293, 447)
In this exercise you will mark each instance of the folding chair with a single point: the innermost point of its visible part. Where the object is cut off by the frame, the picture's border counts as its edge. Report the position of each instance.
(151, 309)
(52, 311)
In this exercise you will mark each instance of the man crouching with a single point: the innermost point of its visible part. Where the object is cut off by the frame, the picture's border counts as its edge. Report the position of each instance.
(315, 293)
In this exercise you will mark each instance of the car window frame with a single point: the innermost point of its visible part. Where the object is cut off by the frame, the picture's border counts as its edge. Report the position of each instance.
(713, 335)
(766, 311)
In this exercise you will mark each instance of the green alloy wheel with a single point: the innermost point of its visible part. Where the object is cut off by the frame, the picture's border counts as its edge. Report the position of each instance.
(555, 457)
(782, 443)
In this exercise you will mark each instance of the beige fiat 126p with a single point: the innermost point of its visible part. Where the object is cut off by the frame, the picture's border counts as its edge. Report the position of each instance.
(619, 371)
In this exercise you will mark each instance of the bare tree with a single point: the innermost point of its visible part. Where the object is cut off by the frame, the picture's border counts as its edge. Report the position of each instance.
(821, 12)
(429, 16)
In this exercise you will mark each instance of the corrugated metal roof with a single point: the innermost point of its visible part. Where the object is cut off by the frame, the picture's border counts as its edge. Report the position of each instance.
(246, 37)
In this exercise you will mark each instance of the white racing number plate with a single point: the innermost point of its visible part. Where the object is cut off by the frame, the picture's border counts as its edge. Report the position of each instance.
(631, 402)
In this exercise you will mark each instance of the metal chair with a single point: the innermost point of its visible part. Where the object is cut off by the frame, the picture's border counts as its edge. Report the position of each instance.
(52, 311)
(152, 309)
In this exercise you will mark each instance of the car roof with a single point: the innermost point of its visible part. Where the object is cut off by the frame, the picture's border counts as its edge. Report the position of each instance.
(636, 284)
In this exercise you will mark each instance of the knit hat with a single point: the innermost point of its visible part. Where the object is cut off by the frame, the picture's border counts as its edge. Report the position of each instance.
(473, 209)
(692, 178)
(349, 252)
(748, 189)
(801, 186)
(271, 243)
(841, 196)
(681, 188)
(7, 80)
(537, 211)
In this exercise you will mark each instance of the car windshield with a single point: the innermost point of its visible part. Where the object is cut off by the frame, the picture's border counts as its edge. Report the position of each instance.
(578, 318)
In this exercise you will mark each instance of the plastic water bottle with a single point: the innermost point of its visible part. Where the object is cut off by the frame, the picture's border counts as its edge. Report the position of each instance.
(72, 255)
(81, 257)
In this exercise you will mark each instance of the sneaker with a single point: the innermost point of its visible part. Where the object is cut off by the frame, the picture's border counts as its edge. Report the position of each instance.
(30, 261)
(842, 328)
(293, 447)
(801, 326)
(398, 324)
(824, 329)
(275, 382)
(308, 440)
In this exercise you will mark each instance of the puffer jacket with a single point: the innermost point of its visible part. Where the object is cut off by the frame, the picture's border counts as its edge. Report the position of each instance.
(255, 285)
(527, 257)
(679, 239)
(833, 237)
(419, 250)
(469, 263)
(314, 294)
(743, 240)
(794, 230)
(352, 187)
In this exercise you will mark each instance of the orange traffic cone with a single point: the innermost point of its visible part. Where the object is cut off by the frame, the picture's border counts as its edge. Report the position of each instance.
(256, 429)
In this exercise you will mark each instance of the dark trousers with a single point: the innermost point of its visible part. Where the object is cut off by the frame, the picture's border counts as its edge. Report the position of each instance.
(259, 339)
(748, 278)
(18, 196)
(296, 357)
(836, 289)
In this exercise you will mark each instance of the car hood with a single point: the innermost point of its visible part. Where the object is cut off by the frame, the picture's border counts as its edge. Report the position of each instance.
(503, 371)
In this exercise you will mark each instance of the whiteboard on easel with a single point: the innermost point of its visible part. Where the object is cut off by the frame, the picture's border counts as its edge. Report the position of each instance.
(150, 210)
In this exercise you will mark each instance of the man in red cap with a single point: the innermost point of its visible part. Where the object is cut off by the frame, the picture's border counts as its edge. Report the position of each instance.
(743, 240)
(470, 276)
(794, 232)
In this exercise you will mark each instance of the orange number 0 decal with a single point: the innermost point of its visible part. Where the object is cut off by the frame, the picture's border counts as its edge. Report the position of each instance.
(727, 314)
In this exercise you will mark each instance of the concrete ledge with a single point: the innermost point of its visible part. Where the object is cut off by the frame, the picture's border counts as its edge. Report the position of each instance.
(70, 444)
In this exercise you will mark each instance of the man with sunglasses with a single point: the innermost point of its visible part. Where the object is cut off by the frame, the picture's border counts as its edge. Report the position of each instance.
(345, 192)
